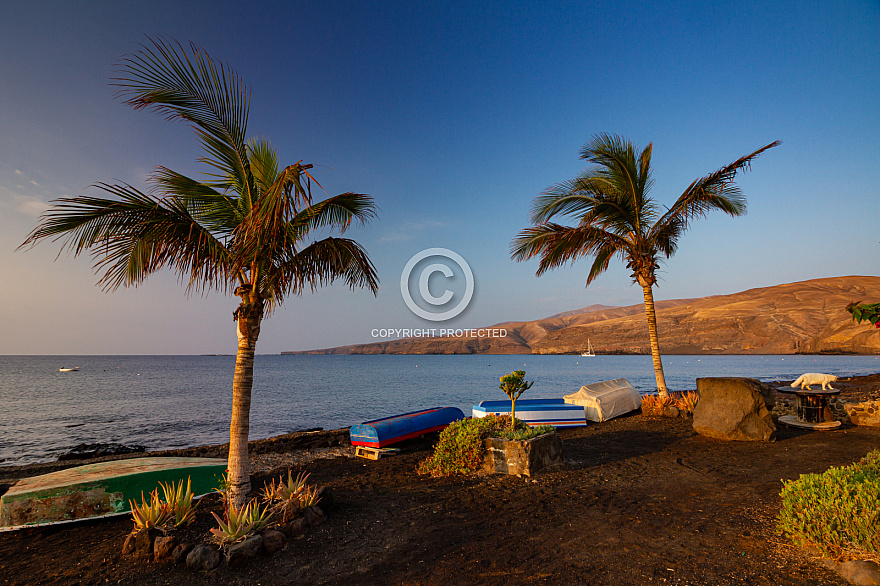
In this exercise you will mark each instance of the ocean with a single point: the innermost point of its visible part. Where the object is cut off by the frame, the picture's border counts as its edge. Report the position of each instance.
(167, 402)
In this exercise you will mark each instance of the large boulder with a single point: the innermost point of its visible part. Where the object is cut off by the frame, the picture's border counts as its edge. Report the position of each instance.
(734, 408)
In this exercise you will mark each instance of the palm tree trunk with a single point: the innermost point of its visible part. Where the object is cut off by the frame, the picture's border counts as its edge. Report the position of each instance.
(655, 344)
(239, 477)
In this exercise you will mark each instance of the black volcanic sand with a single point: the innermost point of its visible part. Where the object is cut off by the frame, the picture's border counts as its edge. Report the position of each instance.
(639, 500)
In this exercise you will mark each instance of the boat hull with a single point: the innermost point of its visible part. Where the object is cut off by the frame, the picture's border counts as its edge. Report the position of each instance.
(390, 430)
(100, 490)
(536, 412)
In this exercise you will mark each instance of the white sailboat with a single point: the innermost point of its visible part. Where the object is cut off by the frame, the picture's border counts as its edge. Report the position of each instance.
(589, 351)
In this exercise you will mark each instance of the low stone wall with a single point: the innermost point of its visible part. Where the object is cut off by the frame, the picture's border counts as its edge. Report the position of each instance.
(866, 413)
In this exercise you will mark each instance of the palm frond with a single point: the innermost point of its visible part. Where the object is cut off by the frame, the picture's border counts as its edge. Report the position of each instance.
(192, 87)
(556, 244)
(264, 163)
(716, 191)
(134, 236)
(320, 263)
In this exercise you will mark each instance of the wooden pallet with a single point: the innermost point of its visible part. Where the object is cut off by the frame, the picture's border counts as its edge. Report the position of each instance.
(374, 453)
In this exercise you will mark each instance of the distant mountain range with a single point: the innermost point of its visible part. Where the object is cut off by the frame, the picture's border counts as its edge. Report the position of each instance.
(808, 317)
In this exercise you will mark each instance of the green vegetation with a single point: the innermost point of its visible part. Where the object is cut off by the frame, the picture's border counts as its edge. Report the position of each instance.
(286, 498)
(514, 385)
(176, 510)
(865, 312)
(248, 227)
(837, 512)
(460, 448)
(614, 216)
(241, 523)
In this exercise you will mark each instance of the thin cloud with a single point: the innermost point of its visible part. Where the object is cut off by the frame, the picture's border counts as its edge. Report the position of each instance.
(410, 231)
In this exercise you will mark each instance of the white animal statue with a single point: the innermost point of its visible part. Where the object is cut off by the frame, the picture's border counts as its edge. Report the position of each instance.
(814, 378)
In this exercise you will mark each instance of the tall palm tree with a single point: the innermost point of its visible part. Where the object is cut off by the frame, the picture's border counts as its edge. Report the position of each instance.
(616, 217)
(248, 228)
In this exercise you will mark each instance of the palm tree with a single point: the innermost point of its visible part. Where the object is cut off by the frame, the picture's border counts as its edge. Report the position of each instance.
(248, 228)
(616, 217)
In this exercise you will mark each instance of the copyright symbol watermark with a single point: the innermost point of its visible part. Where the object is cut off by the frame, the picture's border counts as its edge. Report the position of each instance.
(453, 267)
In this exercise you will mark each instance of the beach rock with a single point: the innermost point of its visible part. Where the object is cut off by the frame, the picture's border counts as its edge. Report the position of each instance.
(203, 558)
(734, 408)
(860, 572)
(527, 457)
(296, 528)
(84, 451)
(163, 546)
(314, 516)
(671, 411)
(140, 543)
(180, 552)
(244, 550)
(866, 414)
(272, 541)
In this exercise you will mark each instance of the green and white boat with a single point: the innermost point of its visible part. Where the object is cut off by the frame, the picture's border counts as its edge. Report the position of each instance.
(100, 490)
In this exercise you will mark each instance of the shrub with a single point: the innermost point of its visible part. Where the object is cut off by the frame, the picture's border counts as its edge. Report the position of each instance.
(837, 512)
(460, 448)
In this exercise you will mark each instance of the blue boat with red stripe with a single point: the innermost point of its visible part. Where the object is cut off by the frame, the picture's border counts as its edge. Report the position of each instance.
(390, 430)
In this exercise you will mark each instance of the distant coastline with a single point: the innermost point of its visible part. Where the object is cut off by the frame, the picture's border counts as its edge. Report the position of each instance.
(803, 318)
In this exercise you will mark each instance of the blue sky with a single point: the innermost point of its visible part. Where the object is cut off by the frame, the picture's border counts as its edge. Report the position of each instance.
(453, 117)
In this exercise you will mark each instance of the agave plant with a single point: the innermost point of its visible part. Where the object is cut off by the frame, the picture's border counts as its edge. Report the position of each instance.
(179, 502)
(687, 401)
(285, 491)
(241, 523)
(152, 514)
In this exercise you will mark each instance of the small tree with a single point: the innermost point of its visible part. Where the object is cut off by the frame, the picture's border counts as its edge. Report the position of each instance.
(514, 385)
(865, 312)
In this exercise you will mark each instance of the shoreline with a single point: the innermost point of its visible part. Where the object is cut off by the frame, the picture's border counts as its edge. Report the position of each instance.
(853, 389)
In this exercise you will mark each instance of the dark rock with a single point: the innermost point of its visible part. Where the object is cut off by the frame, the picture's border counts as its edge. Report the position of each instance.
(140, 543)
(522, 457)
(734, 408)
(671, 411)
(163, 546)
(296, 528)
(247, 549)
(272, 541)
(203, 557)
(180, 552)
(84, 451)
(314, 516)
(324, 499)
(861, 572)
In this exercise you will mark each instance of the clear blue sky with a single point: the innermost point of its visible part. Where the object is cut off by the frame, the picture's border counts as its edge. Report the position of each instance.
(454, 116)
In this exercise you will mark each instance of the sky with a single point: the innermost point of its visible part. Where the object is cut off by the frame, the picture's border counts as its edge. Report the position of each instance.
(454, 116)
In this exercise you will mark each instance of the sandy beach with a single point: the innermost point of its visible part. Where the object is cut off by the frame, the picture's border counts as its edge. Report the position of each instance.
(640, 500)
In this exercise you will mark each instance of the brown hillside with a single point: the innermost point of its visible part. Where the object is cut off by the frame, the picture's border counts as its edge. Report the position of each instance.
(804, 317)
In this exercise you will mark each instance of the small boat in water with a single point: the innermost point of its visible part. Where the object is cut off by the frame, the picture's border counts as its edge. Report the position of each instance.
(65, 369)
(390, 430)
(100, 490)
(589, 351)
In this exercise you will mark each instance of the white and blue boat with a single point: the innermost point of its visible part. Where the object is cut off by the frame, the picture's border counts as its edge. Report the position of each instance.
(534, 412)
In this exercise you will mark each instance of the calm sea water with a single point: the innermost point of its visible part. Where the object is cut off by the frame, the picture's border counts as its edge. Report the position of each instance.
(165, 402)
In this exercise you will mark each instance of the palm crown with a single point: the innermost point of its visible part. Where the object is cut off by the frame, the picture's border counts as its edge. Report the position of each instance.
(615, 215)
(245, 228)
